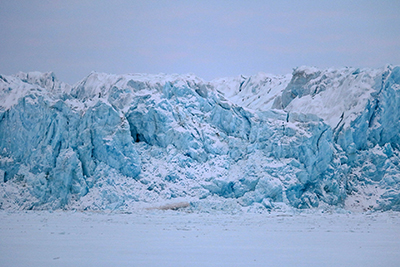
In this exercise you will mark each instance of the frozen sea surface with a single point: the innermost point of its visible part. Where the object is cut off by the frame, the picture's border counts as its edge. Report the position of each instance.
(175, 238)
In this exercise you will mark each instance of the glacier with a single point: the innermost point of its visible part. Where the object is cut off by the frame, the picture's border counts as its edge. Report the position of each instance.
(313, 138)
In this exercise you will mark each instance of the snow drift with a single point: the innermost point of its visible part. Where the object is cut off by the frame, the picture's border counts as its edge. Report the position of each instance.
(309, 139)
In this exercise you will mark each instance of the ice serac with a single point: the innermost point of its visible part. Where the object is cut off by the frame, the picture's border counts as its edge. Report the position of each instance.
(362, 109)
(53, 149)
(308, 139)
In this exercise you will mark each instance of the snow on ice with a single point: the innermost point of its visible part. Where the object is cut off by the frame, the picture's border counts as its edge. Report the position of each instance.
(178, 238)
(313, 138)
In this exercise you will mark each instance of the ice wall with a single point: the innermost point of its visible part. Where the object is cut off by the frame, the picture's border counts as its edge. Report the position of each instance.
(309, 139)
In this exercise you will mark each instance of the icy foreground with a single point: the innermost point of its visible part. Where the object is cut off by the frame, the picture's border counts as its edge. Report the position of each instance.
(311, 139)
(40, 238)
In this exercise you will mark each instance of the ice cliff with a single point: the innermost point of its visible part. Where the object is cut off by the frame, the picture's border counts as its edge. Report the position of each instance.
(308, 139)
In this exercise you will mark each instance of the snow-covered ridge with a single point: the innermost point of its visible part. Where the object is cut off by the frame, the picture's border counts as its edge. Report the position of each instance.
(256, 92)
(311, 138)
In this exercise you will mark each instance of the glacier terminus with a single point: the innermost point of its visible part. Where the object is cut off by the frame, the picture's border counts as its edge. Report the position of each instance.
(313, 138)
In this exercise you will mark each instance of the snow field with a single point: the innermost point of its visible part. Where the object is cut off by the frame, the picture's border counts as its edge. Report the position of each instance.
(177, 238)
